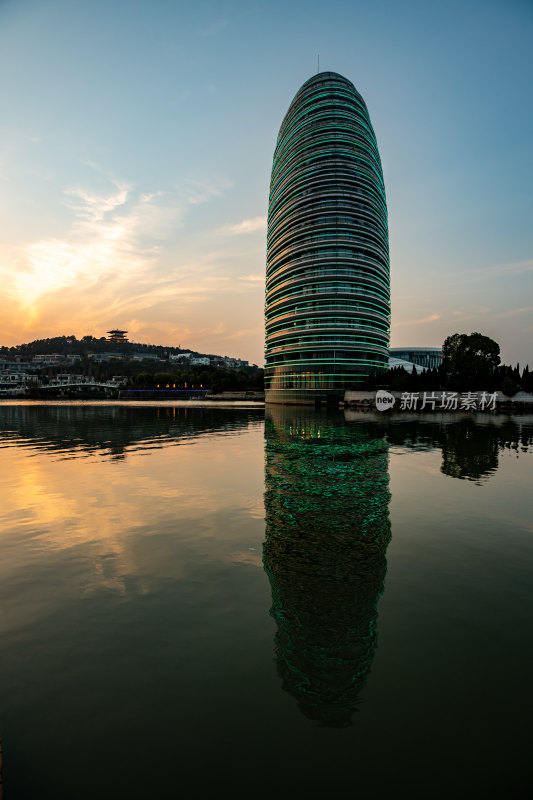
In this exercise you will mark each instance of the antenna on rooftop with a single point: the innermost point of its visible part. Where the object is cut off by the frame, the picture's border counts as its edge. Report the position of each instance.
(318, 63)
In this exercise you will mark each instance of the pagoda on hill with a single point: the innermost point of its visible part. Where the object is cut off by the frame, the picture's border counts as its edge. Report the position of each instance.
(117, 336)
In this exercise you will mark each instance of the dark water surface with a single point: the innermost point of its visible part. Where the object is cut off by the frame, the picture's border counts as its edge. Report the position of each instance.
(202, 601)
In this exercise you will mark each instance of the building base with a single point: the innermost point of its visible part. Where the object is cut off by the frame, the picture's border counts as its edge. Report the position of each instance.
(304, 397)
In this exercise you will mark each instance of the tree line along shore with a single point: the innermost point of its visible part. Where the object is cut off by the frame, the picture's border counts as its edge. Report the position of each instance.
(470, 361)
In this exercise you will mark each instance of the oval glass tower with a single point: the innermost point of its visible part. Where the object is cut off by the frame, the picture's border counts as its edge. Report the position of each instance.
(327, 304)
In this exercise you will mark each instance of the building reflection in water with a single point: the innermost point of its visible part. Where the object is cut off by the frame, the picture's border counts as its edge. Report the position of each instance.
(72, 429)
(327, 531)
(471, 446)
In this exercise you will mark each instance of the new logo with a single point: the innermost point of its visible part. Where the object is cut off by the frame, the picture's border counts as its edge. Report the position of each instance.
(384, 400)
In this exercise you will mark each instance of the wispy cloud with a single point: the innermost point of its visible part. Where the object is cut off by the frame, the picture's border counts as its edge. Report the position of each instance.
(430, 318)
(197, 192)
(514, 312)
(461, 315)
(114, 237)
(111, 235)
(92, 207)
(246, 226)
(243, 334)
(513, 268)
(496, 271)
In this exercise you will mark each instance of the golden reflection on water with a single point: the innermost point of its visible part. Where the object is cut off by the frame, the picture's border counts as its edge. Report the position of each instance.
(96, 509)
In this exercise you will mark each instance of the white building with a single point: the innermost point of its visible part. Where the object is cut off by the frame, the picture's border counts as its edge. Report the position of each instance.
(14, 366)
(407, 365)
(48, 359)
(98, 358)
(12, 383)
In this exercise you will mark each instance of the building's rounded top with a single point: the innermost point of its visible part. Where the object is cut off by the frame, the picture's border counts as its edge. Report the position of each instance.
(321, 76)
(328, 79)
(317, 88)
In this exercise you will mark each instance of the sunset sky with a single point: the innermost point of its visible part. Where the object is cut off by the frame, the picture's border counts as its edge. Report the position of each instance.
(136, 143)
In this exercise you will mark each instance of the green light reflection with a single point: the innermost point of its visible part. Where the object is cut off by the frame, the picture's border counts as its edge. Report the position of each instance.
(327, 531)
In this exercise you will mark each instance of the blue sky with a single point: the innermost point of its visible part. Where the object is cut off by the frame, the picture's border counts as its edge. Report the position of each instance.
(136, 142)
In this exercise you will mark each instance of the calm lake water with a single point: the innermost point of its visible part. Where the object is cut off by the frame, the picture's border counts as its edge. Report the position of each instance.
(196, 601)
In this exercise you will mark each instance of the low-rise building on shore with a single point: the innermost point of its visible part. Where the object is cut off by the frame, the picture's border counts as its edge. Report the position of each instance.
(425, 357)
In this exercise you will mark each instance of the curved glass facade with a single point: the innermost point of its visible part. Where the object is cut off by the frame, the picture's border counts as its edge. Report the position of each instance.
(327, 285)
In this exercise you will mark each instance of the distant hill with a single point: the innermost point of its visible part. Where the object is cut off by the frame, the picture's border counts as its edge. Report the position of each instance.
(70, 345)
